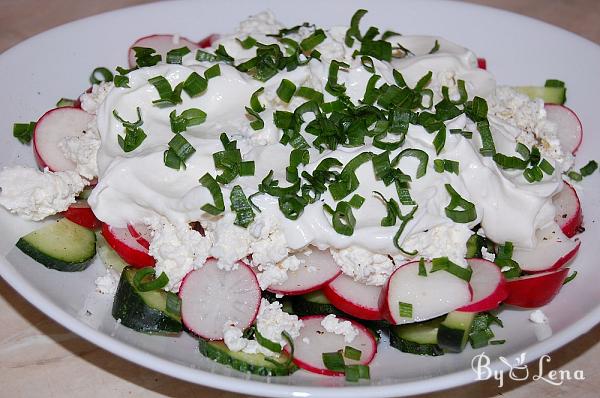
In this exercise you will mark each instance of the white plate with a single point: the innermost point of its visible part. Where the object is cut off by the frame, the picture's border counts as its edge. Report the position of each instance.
(519, 50)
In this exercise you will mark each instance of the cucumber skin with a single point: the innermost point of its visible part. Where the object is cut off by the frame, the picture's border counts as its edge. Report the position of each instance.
(210, 351)
(303, 308)
(448, 338)
(51, 262)
(135, 314)
(411, 347)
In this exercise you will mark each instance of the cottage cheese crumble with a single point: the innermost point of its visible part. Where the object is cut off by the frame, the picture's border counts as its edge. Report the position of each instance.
(538, 316)
(344, 328)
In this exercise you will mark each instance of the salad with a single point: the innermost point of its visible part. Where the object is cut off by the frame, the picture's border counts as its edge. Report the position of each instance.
(289, 194)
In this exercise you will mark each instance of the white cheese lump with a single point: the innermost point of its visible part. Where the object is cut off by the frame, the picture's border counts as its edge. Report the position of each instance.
(333, 325)
(35, 195)
(271, 322)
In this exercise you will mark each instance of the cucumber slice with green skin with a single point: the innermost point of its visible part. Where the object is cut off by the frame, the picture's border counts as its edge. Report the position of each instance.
(108, 255)
(147, 312)
(453, 332)
(417, 338)
(550, 95)
(248, 363)
(62, 245)
(314, 303)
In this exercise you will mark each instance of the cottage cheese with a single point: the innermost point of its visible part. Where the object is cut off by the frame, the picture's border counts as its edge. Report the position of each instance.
(344, 328)
(35, 195)
(538, 316)
(447, 240)
(364, 266)
(92, 100)
(82, 150)
(107, 283)
(177, 250)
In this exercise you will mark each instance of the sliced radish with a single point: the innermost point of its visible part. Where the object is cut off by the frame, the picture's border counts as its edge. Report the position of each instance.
(52, 127)
(568, 210)
(211, 297)
(481, 63)
(127, 247)
(552, 251)
(354, 298)
(162, 44)
(314, 340)
(141, 233)
(487, 284)
(430, 296)
(533, 291)
(569, 129)
(208, 41)
(81, 213)
(316, 271)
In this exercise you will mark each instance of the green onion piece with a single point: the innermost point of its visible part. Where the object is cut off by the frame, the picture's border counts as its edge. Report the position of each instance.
(213, 71)
(547, 168)
(182, 148)
(24, 132)
(65, 102)
(475, 244)
(352, 353)
(354, 29)
(573, 175)
(175, 55)
(438, 165)
(121, 81)
(405, 219)
(522, 150)
(189, 117)
(419, 154)
(443, 263)
(170, 159)
(134, 135)
(535, 156)
(286, 90)
(488, 148)
(435, 48)
(246, 168)
(462, 91)
(257, 123)
(423, 81)
(586, 170)
(268, 344)
(533, 174)
(153, 284)
(477, 109)
(348, 182)
(244, 215)
(208, 182)
(464, 133)
(497, 342)
(405, 309)
(247, 43)
(379, 49)
(367, 63)
(439, 140)
(356, 201)
(194, 84)
(333, 361)
(105, 75)
(167, 95)
(343, 220)
(422, 269)
(570, 277)
(509, 162)
(459, 209)
(392, 209)
(354, 373)
(310, 94)
(371, 92)
(332, 86)
(145, 56)
(554, 83)
(313, 40)
(255, 102)
(480, 339)
(389, 33)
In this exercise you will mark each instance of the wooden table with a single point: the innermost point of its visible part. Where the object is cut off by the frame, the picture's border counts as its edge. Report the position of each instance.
(39, 358)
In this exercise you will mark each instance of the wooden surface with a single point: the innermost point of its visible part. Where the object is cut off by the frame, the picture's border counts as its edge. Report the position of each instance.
(39, 358)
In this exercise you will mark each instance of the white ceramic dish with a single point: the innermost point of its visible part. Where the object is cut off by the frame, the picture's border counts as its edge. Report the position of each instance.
(519, 50)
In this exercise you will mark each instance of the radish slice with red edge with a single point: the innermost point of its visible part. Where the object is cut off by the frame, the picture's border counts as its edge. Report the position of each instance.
(52, 127)
(162, 44)
(141, 233)
(534, 291)
(208, 41)
(487, 284)
(354, 298)
(81, 213)
(433, 295)
(317, 269)
(481, 63)
(568, 210)
(568, 126)
(552, 251)
(127, 247)
(314, 340)
(211, 297)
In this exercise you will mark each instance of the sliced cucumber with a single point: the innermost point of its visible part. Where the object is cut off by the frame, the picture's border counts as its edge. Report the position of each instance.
(314, 303)
(417, 338)
(249, 363)
(109, 257)
(550, 95)
(453, 332)
(153, 312)
(61, 245)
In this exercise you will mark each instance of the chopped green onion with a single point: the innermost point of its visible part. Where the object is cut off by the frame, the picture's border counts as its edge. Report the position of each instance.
(213, 71)
(255, 102)
(367, 63)
(379, 49)
(333, 87)
(392, 209)
(435, 48)
(268, 344)
(257, 123)
(356, 201)
(554, 83)
(220, 55)
(354, 373)
(586, 170)
(181, 147)
(167, 95)
(194, 84)
(121, 81)
(422, 269)
(247, 43)
(145, 56)
(462, 91)
(153, 284)
(189, 117)
(488, 147)
(547, 168)
(65, 102)
(286, 90)
(313, 40)
(509, 162)
(342, 219)
(105, 75)
(419, 154)
(497, 342)
(443, 263)
(310, 94)
(522, 150)
(208, 182)
(464, 133)
(535, 156)
(352, 353)
(533, 174)
(459, 209)
(405, 219)
(24, 132)
(573, 175)
(333, 361)
(354, 29)
(134, 135)
(441, 165)
(477, 109)
(439, 140)
(405, 309)
(175, 55)
(570, 277)
(171, 160)
(348, 182)
(244, 215)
